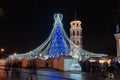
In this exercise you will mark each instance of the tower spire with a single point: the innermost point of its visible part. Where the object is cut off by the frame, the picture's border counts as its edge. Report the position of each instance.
(75, 14)
(75, 10)
(117, 28)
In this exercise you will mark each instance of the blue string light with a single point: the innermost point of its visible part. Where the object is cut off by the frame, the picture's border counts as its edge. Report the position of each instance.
(58, 45)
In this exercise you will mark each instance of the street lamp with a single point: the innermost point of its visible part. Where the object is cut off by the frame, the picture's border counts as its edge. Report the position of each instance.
(2, 50)
(14, 55)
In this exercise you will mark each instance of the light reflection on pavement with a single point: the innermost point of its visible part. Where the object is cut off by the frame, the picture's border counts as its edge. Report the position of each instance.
(45, 74)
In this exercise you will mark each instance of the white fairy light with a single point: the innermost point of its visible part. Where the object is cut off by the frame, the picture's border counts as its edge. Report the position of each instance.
(44, 48)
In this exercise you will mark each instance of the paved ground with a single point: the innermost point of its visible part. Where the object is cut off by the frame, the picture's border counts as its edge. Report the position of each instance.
(47, 74)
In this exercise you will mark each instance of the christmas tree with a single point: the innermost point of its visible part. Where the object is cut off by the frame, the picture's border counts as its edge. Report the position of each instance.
(58, 45)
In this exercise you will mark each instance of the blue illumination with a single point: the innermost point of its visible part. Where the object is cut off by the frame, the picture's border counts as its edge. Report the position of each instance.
(58, 45)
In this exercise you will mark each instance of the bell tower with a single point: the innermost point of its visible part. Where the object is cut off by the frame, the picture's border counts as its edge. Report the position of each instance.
(75, 32)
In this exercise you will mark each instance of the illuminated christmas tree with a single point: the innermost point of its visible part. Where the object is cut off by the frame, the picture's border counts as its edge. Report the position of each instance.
(58, 45)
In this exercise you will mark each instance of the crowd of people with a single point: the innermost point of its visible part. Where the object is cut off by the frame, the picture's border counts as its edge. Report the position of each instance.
(105, 70)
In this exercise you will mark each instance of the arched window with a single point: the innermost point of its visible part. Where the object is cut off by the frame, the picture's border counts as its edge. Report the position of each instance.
(73, 23)
(73, 33)
(77, 25)
(77, 33)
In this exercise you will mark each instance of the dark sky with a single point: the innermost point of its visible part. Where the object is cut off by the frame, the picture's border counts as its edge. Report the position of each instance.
(27, 23)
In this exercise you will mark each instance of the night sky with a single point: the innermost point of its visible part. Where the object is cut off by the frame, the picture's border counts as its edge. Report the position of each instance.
(27, 23)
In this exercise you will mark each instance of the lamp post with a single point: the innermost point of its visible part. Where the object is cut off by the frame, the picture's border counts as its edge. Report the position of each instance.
(14, 55)
(2, 50)
(1, 53)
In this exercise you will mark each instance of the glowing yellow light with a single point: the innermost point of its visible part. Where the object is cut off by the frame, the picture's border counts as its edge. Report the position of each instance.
(108, 61)
(40, 55)
(102, 61)
(92, 60)
(14, 54)
(2, 50)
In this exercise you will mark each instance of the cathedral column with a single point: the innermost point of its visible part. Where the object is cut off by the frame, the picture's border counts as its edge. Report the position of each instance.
(117, 37)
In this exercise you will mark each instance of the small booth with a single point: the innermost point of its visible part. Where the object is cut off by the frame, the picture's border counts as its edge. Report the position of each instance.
(56, 63)
(39, 63)
(65, 62)
(43, 63)
(2, 63)
(49, 63)
(25, 63)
